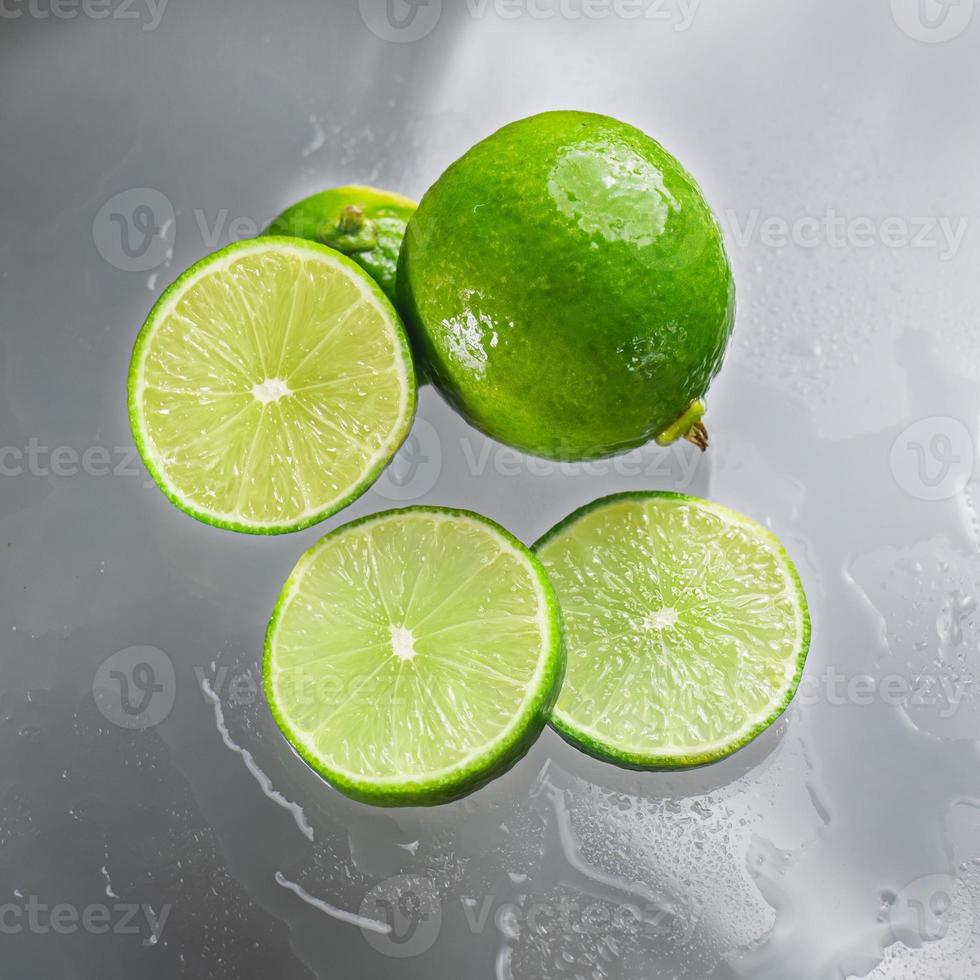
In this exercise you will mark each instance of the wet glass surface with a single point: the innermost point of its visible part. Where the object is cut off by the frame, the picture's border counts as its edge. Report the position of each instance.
(153, 822)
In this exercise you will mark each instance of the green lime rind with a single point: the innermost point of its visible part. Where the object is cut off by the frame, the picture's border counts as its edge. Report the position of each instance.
(578, 735)
(175, 289)
(567, 287)
(318, 218)
(495, 757)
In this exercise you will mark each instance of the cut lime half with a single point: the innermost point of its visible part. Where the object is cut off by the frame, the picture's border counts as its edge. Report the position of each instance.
(414, 655)
(686, 629)
(270, 385)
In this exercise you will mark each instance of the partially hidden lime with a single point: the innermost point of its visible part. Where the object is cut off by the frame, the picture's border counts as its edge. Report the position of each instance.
(568, 288)
(270, 385)
(414, 655)
(366, 223)
(686, 629)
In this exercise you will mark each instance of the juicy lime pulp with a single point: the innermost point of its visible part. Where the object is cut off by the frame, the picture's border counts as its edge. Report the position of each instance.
(567, 287)
(414, 655)
(365, 223)
(269, 386)
(686, 628)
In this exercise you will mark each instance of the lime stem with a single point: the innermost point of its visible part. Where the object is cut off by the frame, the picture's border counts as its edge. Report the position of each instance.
(352, 232)
(698, 435)
(688, 426)
(351, 220)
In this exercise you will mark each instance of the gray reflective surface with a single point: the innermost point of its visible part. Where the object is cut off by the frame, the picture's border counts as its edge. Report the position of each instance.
(160, 828)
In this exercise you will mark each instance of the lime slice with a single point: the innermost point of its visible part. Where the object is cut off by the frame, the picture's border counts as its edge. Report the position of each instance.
(270, 385)
(414, 655)
(686, 629)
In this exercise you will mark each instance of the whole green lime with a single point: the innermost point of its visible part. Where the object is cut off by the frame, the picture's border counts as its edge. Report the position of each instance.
(365, 223)
(568, 288)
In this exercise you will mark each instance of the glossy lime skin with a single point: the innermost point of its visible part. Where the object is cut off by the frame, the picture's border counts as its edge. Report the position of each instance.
(374, 246)
(567, 286)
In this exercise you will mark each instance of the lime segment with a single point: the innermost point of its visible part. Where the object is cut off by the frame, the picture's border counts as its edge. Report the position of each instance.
(686, 628)
(413, 655)
(270, 385)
